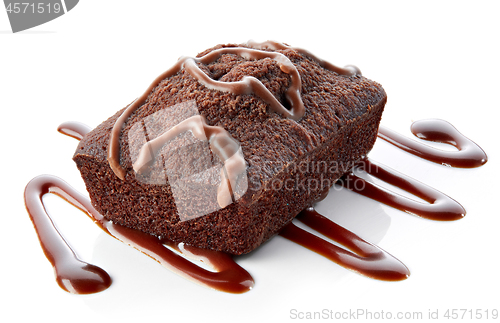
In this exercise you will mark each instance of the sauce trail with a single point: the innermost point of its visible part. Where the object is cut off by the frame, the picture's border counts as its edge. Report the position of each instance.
(440, 207)
(365, 258)
(72, 274)
(469, 154)
(76, 276)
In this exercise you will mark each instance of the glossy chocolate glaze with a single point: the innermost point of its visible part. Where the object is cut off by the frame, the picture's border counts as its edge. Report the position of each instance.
(221, 143)
(248, 85)
(365, 258)
(469, 154)
(440, 207)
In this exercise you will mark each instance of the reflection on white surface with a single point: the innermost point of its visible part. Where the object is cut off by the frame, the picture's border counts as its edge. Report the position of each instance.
(363, 216)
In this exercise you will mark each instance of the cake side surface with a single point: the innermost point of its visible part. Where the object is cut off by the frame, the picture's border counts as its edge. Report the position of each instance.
(339, 127)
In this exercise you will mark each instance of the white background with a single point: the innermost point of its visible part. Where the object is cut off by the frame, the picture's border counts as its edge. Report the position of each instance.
(435, 60)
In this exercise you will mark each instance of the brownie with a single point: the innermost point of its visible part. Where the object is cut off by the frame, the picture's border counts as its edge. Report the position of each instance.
(290, 162)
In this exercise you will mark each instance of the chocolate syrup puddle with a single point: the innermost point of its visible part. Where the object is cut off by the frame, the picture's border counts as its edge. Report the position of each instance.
(365, 258)
(74, 129)
(440, 207)
(469, 155)
(78, 277)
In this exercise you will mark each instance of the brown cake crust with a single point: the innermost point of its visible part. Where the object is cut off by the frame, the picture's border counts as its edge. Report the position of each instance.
(339, 127)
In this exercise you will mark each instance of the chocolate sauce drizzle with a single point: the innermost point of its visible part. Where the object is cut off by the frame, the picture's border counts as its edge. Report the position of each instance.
(72, 274)
(365, 258)
(440, 207)
(469, 154)
(221, 143)
(248, 85)
(78, 277)
(348, 70)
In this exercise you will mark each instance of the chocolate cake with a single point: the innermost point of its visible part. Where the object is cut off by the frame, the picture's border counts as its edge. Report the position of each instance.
(225, 149)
